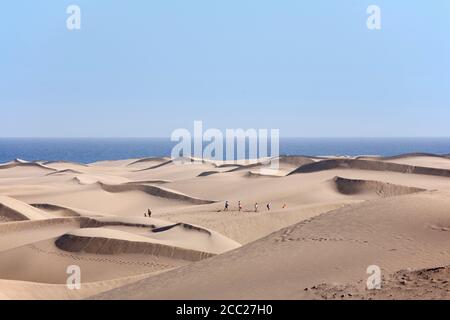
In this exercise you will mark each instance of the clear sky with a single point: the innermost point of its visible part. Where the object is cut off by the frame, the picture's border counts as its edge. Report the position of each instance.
(145, 68)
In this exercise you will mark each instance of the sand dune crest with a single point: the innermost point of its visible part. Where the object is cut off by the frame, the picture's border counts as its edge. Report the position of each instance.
(154, 191)
(382, 189)
(369, 165)
(91, 241)
(14, 210)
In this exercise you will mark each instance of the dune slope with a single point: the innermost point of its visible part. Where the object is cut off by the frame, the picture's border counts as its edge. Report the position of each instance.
(409, 231)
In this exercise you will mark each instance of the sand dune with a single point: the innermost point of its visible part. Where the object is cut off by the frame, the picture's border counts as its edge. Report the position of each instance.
(228, 165)
(110, 242)
(246, 167)
(406, 155)
(43, 262)
(382, 189)
(207, 173)
(25, 290)
(155, 191)
(267, 172)
(137, 222)
(117, 246)
(65, 171)
(155, 181)
(159, 160)
(180, 234)
(336, 247)
(330, 217)
(23, 163)
(295, 161)
(64, 163)
(239, 163)
(156, 166)
(58, 211)
(94, 179)
(285, 165)
(17, 234)
(14, 210)
(370, 165)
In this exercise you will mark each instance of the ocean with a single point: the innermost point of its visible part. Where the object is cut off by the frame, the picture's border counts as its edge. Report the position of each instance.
(88, 150)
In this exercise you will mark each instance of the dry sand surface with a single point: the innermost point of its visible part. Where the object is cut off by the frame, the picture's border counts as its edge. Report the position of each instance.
(330, 218)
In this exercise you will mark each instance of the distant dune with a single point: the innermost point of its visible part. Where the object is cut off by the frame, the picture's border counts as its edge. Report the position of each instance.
(23, 163)
(370, 165)
(160, 160)
(65, 171)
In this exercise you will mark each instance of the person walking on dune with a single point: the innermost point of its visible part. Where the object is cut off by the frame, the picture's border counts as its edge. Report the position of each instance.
(226, 206)
(268, 206)
(239, 206)
(256, 207)
(149, 212)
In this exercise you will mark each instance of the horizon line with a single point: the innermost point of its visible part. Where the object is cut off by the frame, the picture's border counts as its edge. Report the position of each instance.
(282, 137)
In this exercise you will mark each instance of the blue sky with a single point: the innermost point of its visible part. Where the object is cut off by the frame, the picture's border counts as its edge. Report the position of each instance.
(145, 68)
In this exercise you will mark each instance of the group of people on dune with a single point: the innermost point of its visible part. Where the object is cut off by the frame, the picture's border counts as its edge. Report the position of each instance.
(227, 208)
(256, 206)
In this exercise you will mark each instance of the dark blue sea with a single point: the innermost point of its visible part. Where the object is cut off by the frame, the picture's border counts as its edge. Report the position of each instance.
(87, 150)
